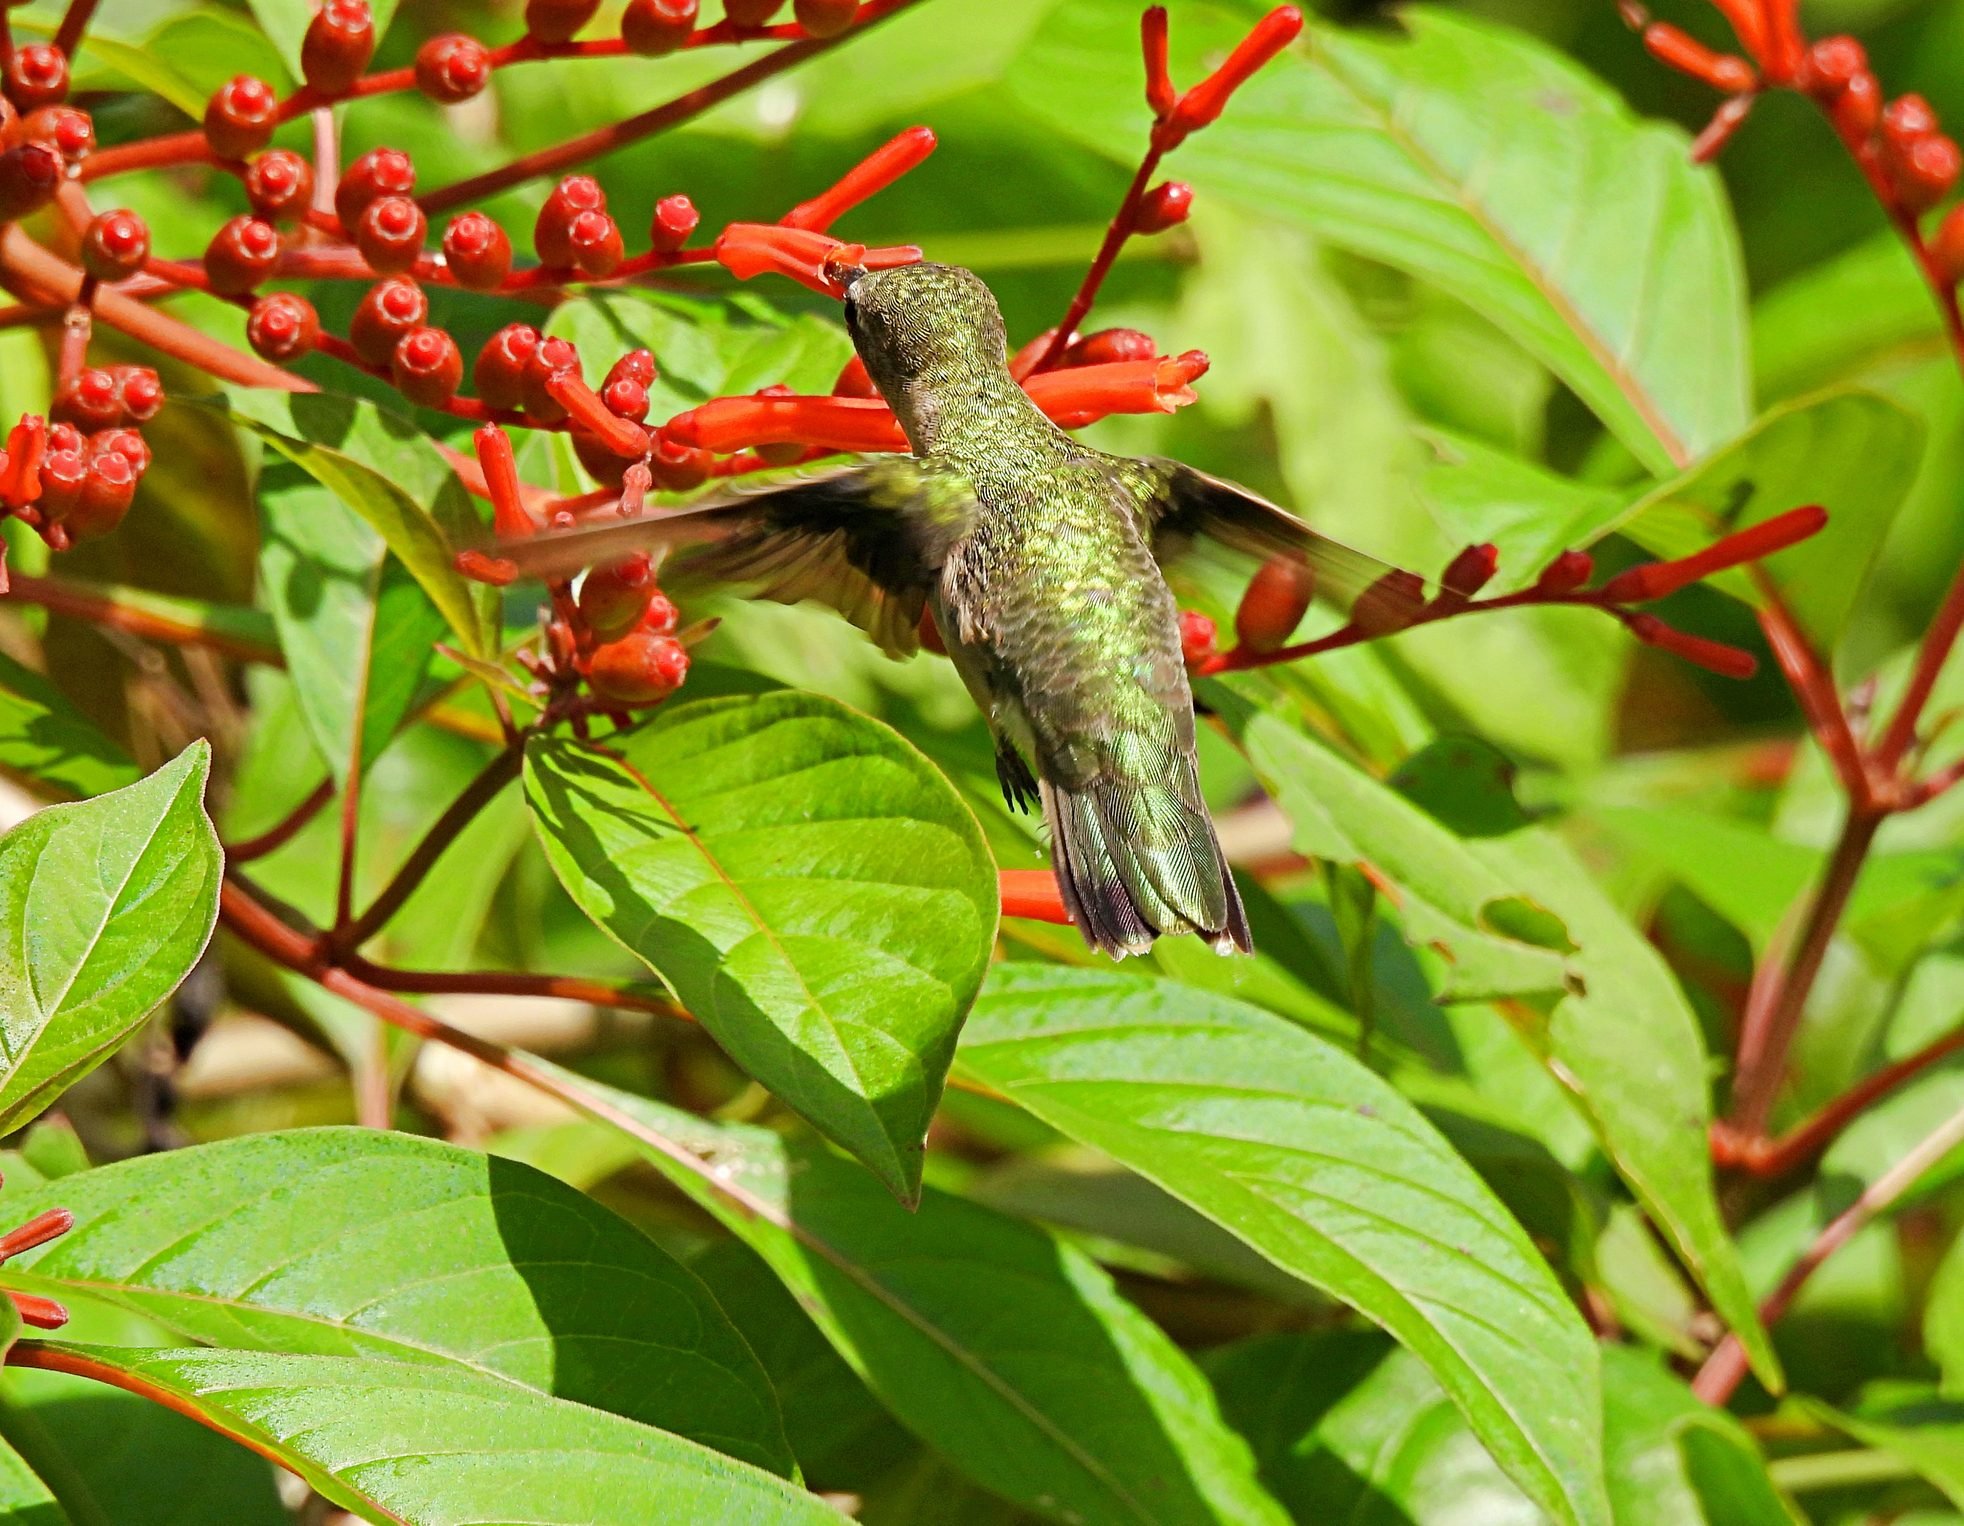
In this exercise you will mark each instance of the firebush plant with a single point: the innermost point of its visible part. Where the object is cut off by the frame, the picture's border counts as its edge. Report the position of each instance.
(1581, 1142)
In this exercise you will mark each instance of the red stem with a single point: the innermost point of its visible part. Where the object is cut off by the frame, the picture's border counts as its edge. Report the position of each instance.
(283, 832)
(1123, 222)
(68, 36)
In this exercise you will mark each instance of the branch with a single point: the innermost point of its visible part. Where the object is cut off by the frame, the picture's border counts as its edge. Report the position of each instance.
(279, 835)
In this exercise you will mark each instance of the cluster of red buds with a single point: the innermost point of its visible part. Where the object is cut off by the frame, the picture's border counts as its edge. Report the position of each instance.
(1280, 594)
(41, 1313)
(1900, 145)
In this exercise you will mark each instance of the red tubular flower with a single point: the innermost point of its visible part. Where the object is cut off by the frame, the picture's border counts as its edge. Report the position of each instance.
(1654, 580)
(38, 1230)
(1206, 100)
(20, 477)
(1123, 386)
(1831, 65)
(1745, 19)
(853, 381)
(1713, 656)
(1470, 571)
(1276, 599)
(1164, 206)
(622, 436)
(871, 175)
(674, 220)
(595, 242)
(1947, 248)
(751, 249)
(1032, 893)
(725, 424)
(1160, 94)
(535, 379)
(641, 668)
(509, 516)
(1675, 49)
(41, 1313)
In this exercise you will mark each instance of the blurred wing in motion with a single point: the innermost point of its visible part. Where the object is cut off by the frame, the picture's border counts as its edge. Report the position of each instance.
(1182, 507)
(868, 538)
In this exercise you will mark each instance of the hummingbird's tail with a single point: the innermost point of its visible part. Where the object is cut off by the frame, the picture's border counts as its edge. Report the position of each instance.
(1138, 857)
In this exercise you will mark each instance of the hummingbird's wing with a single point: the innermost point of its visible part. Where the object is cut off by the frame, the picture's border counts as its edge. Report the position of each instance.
(867, 537)
(1182, 507)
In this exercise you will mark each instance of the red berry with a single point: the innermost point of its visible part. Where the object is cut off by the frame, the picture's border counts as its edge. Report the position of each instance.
(140, 391)
(339, 43)
(1829, 66)
(825, 18)
(69, 132)
(613, 598)
(1947, 248)
(379, 172)
(241, 116)
(477, 252)
(1274, 604)
(654, 27)
(29, 173)
(108, 486)
(638, 669)
(280, 185)
(1198, 639)
(751, 12)
(674, 220)
(1164, 206)
(37, 75)
(552, 233)
(115, 245)
(244, 252)
(427, 367)
(452, 67)
(390, 233)
(595, 240)
(283, 326)
(90, 400)
(501, 364)
(557, 20)
(547, 361)
(126, 443)
(390, 309)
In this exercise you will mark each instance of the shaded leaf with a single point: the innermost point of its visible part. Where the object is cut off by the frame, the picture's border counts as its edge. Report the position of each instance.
(353, 1242)
(812, 888)
(104, 907)
(1317, 1163)
(1910, 1423)
(45, 739)
(24, 1499)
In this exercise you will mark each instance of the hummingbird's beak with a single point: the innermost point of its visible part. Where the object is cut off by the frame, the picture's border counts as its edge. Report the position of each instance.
(844, 265)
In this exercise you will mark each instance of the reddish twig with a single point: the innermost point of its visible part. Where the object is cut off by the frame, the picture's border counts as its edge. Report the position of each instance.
(285, 830)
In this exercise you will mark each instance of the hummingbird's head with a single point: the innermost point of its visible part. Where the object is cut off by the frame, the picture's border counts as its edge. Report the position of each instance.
(924, 323)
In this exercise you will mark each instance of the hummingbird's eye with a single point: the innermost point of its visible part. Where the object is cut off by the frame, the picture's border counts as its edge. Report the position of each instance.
(852, 312)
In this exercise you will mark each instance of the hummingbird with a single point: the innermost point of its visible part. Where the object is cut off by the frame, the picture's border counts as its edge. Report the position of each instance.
(1039, 559)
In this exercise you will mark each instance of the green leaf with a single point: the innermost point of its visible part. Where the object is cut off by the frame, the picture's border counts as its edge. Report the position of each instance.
(1475, 158)
(285, 22)
(104, 907)
(1532, 515)
(390, 473)
(436, 1442)
(1910, 1423)
(46, 739)
(353, 1242)
(1943, 1319)
(24, 1499)
(357, 630)
(1318, 1164)
(1495, 941)
(813, 889)
(1853, 452)
(1008, 1351)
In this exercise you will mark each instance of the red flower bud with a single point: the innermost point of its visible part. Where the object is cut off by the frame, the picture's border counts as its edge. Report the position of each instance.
(639, 669)
(1857, 111)
(90, 400)
(65, 437)
(379, 172)
(115, 245)
(282, 327)
(452, 67)
(751, 12)
(1714, 656)
(280, 185)
(661, 616)
(1566, 573)
(548, 360)
(501, 363)
(1470, 571)
(1206, 100)
(37, 75)
(1925, 173)
(825, 18)
(1390, 604)
(1831, 64)
(1199, 640)
(1160, 94)
(244, 252)
(873, 174)
(1164, 206)
(626, 398)
(674, 220)
(126, 443)
(634, 366)
(595, 242)
(241, 116)
(477, 252)
(1906, 119)
(1275, 601)
(509, 516)
(108, 486)
(552, 233)
(554, 21)
(854, 382)
(29, 173)
(339, 43)
(427, 367)
(613, 598)
(679, 468)
(654, 27)
(390, 233)
(1675, 49)
(69, 132)
(389, 310)
(140, 392)
(63, 474)
(1947, 248)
